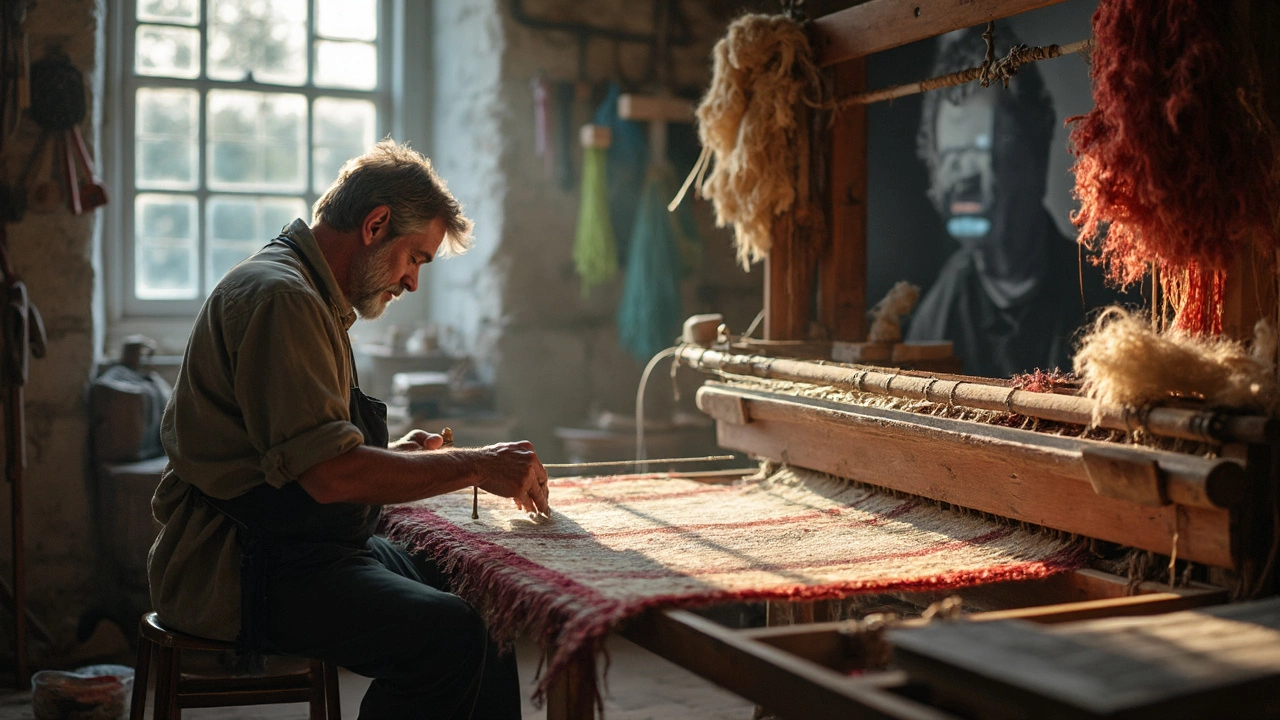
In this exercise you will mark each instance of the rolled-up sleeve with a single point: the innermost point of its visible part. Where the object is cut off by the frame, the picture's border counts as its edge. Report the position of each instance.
(291, 390)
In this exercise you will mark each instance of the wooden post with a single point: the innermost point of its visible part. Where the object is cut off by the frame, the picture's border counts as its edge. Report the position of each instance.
(572, 695)
(788, 288)
(842, 293)
(1250, 293)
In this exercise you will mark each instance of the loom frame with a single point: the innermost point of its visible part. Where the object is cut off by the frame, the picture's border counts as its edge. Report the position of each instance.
(801, 670)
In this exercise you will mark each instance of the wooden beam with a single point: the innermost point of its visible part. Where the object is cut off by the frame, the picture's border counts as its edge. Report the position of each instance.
(828, 643)
(655, 108)
(842, 290)
(788, 685)
(995, 395)
(970, 465)
(1082, 585)
(883, 24)
(1212, 662)
(1183, 479)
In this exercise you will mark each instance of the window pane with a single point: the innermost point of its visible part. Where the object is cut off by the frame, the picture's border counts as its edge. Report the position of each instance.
(257, 141)
(167, 51)
(261, 40)
(342, 130)
(346, 65)
(166, 154)
(164, 247)
(239, 226)
(347, 19)
(185, 12)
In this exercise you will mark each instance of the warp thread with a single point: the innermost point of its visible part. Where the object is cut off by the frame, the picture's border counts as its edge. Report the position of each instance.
(1177, 162)
(754, 127)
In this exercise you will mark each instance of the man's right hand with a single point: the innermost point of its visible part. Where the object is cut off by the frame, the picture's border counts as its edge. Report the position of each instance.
(512, 469)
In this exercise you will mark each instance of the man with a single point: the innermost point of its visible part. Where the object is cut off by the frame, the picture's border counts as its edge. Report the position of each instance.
(1010, 296)
(276, 457)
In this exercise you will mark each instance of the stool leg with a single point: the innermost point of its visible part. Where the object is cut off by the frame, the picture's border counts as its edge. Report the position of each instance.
(141, 675)
(167, 669)
(331, 699)
(317, 678)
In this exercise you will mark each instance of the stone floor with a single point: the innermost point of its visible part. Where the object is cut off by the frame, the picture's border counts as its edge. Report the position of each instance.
(640, 686)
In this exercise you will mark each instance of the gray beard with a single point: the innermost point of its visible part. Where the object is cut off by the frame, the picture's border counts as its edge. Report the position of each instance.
(368, 284)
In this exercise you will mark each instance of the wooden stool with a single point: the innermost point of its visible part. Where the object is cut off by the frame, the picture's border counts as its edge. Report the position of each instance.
(317, 685)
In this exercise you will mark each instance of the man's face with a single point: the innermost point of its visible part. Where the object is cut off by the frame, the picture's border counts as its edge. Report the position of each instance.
(964, 176)
(381, 272)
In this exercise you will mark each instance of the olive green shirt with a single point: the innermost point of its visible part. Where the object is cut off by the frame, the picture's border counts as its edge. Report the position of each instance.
(262, 395)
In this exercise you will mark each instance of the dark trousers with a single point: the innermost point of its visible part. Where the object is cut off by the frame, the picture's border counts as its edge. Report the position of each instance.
(385, 614)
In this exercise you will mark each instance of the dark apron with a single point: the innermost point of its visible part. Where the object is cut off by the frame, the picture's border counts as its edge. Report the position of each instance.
(275, 523)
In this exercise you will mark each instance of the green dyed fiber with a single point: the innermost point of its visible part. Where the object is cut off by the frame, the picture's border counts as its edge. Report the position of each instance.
(650, 312)
(595, 252)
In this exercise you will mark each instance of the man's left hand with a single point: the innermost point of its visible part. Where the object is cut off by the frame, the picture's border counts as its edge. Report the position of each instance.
(417, 440)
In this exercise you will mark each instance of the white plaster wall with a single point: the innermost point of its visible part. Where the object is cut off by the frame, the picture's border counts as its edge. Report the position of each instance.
(552, 353)
(467, 124)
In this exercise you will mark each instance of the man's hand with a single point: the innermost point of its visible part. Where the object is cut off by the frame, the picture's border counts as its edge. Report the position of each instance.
(512, 469)
(417, 440)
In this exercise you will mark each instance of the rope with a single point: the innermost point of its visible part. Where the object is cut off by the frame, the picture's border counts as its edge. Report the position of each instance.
(1002, 70)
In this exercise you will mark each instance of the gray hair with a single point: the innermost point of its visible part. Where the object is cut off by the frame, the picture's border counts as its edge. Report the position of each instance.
(401, 178)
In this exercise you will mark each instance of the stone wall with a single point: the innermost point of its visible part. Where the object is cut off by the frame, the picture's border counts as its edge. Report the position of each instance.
(56, 255)
(552, 353)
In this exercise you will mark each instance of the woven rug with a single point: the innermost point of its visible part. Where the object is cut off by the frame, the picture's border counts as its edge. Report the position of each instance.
(618, 545)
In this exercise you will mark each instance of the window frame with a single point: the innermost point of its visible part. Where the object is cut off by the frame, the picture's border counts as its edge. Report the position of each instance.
(170, 319)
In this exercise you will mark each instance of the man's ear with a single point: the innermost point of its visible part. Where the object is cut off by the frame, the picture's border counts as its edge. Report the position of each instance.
(376, 226)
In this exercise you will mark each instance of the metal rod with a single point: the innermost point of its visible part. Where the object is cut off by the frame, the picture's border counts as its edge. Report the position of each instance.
(608, 463)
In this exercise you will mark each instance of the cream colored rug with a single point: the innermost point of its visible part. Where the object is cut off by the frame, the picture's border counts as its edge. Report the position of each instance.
(618, 545)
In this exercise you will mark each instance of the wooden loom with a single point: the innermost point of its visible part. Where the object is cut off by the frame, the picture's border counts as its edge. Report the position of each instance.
(1216, 513)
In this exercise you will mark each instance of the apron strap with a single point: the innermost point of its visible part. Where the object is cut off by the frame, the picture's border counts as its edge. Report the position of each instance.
(318, 281)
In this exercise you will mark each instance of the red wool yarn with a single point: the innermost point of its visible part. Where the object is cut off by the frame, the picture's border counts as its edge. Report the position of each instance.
(1176, 164)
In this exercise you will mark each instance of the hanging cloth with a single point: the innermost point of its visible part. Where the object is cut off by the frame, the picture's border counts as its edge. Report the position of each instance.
(595, 250)
(627, 158)
(650, 312)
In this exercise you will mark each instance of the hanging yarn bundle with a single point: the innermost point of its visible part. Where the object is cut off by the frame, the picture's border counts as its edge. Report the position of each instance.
(1123, 361)
(1176, 164)
(754, 128)
(649, 313)
(595, 252)
(627, 159)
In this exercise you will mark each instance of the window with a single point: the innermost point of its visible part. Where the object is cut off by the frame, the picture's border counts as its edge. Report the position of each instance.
(235, 116)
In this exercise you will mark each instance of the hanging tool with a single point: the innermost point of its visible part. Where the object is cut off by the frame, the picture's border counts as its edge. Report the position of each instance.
(24, 337)
(58, 105)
